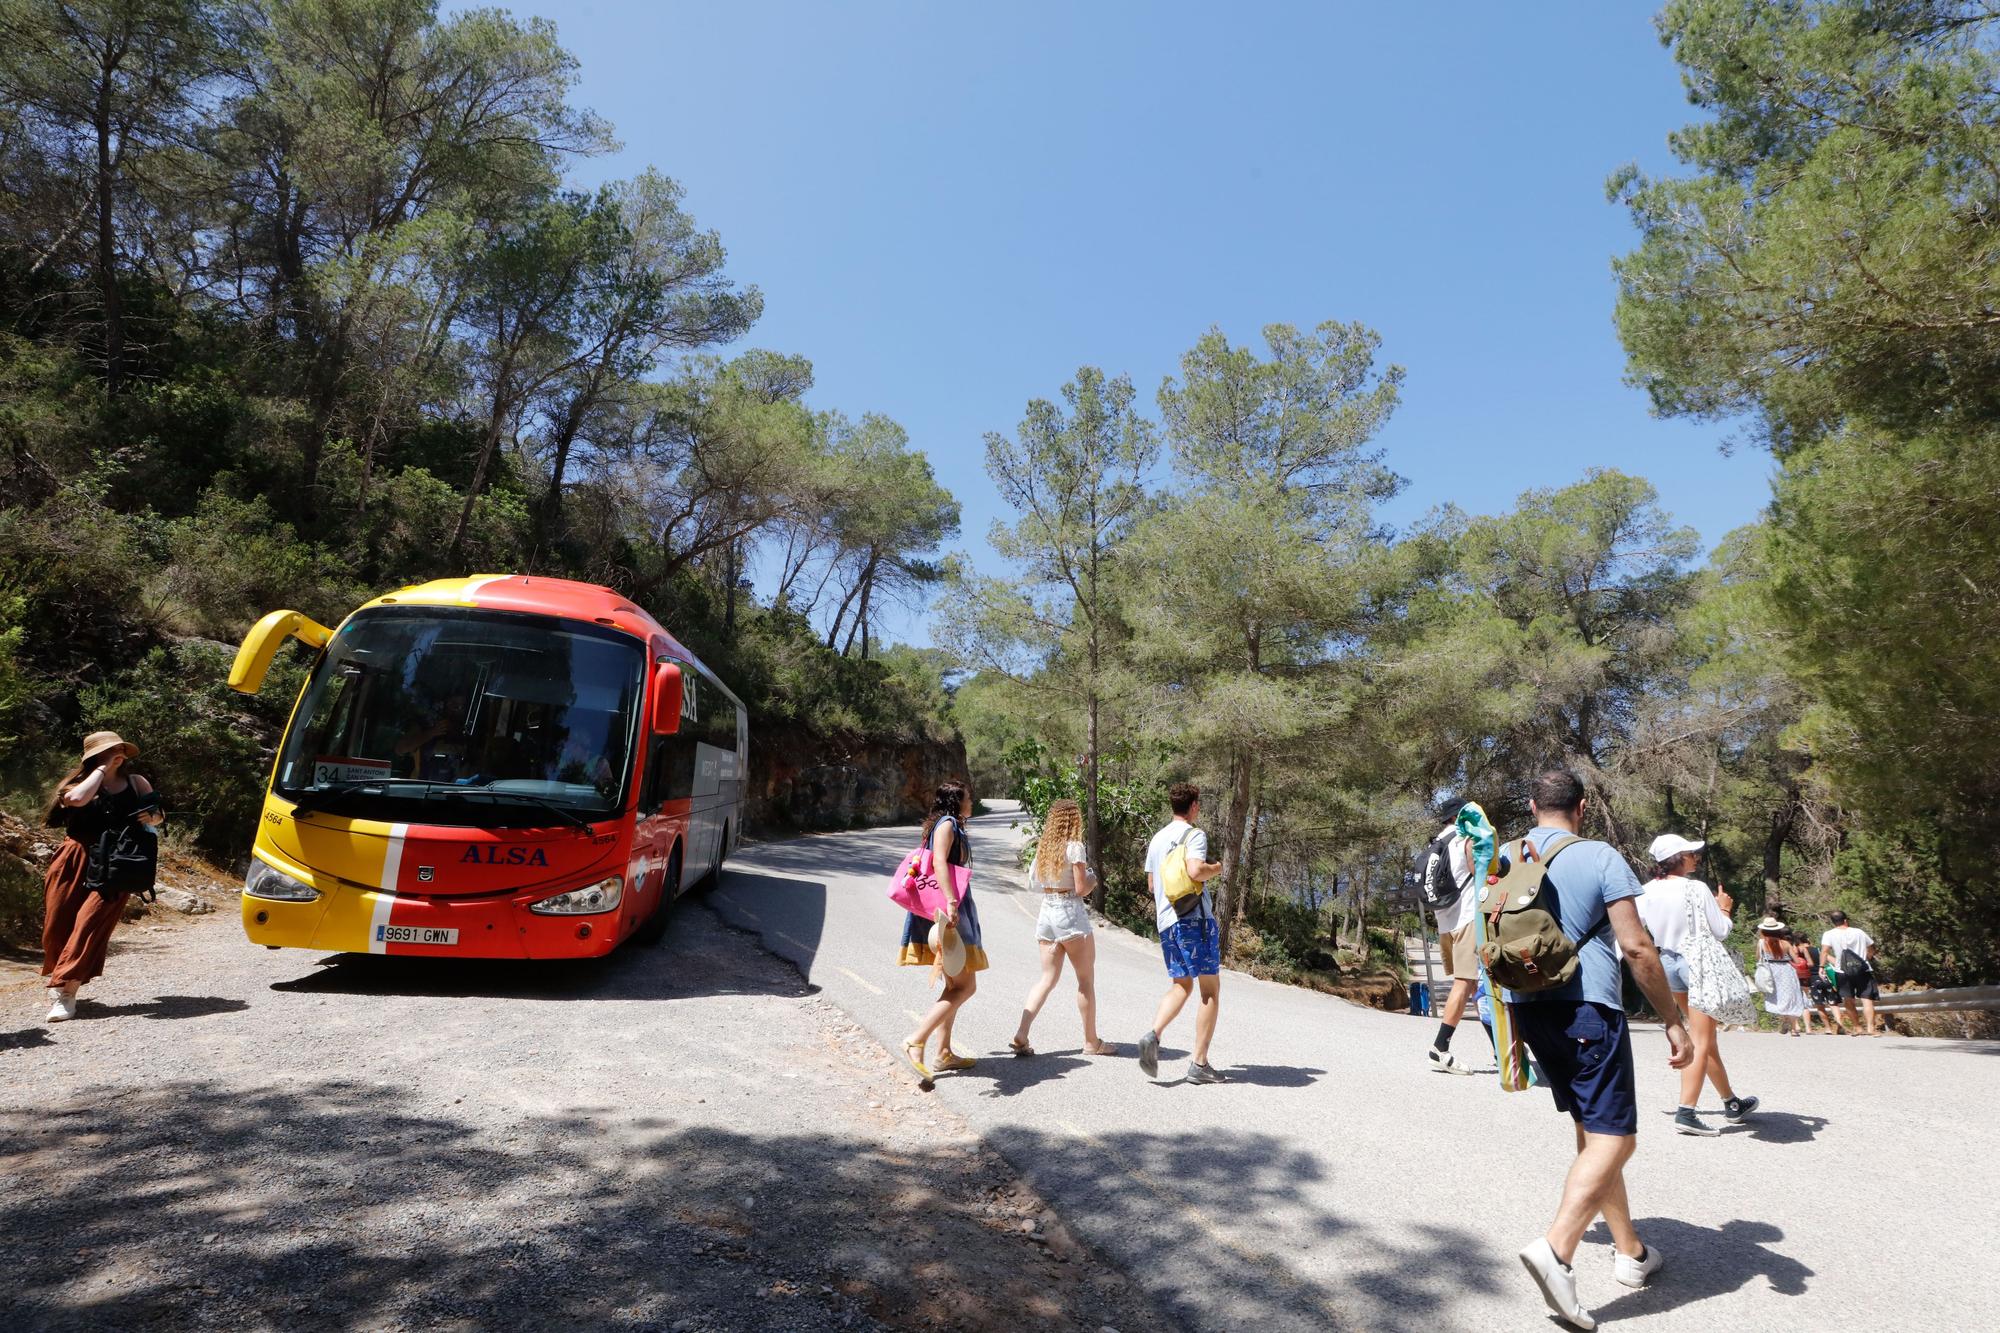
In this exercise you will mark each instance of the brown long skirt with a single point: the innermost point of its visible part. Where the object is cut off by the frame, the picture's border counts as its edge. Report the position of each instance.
(76, 923)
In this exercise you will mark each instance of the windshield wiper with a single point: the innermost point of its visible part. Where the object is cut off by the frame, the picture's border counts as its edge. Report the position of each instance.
(308, 798)
(452, 789)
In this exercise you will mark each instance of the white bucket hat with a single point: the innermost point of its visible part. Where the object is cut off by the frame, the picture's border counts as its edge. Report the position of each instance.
(1669, 845)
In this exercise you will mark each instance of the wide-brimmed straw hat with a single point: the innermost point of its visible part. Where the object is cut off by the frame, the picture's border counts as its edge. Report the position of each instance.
(949, 946)
(100, 742)
(1769, 924)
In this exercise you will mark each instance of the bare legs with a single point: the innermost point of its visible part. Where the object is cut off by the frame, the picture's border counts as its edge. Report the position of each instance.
(1081, 951)
(1038, 994)
(1178, 990)
(957, 990)
(1596, 1184)
(1707, 1060)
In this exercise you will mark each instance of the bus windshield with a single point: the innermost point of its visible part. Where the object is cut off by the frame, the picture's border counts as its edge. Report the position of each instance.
(446, 716)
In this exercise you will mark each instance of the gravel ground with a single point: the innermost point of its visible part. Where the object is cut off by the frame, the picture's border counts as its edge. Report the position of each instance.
(687, 1137)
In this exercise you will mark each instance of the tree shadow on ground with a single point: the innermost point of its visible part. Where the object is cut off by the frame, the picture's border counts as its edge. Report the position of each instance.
(634, 971)
(1164, 1193)
(334, 1205)
(1703, 1262)
(161, 1006)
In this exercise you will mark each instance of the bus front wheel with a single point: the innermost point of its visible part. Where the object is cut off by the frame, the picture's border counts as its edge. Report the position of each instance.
(655, 925)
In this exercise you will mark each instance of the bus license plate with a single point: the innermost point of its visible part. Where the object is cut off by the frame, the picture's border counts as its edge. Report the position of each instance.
(415, 935)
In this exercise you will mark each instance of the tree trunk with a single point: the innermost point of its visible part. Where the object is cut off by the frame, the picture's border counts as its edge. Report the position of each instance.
(107, 239)
(487, 449)
(1093, 834)
(729, 593)
(1236, 829)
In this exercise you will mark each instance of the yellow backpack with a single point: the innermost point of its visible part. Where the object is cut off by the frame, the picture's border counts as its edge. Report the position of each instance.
(1175, 881)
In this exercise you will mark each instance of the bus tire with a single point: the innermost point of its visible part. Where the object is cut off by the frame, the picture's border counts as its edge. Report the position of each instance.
(706, 884)
(654, 927)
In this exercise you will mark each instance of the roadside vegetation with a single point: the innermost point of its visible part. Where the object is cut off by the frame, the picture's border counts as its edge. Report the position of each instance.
(297, 305)
(1209, 593)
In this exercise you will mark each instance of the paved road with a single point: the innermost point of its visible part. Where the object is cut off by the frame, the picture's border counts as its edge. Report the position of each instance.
(683, 1139)
(1337, 1181)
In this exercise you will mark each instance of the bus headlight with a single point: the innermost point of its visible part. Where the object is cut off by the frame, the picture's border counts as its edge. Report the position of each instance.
(602, 896)
(264, 882)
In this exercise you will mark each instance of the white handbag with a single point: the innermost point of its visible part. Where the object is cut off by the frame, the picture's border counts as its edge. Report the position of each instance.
(1716, 985)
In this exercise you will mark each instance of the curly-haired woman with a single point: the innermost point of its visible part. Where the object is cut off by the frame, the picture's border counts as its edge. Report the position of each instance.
(1063, 930)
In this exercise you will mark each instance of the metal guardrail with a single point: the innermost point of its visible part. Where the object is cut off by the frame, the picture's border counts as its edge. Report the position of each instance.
(1956, 997)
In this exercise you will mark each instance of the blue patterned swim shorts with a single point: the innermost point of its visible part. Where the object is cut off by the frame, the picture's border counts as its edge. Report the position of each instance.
(1193, 948)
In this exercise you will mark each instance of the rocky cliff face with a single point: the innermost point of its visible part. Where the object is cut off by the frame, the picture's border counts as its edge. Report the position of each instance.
(803, 782)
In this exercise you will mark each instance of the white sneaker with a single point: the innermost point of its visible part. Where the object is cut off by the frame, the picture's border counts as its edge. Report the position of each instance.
(1634, 1272)
(63, 1007)
(1442, 1060)
(1558, 1284)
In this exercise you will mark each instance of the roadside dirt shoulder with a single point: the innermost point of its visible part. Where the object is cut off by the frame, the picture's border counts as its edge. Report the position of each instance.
(682, 1138)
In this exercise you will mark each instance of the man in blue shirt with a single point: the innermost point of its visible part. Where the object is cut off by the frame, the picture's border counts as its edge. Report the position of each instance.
(1578, 1035)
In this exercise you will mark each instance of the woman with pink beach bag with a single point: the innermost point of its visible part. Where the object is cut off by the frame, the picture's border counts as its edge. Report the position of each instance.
(940, 924)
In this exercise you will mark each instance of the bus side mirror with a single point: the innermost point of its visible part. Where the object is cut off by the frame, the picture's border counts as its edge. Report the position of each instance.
(260, 645)
(667, 688)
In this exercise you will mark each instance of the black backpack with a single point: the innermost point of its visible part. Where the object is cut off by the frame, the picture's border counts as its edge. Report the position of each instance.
(1853, 967)
(1434, 880)
(124, 859)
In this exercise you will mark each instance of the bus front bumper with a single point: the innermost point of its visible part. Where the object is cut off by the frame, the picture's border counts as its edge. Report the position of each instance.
(350, 920)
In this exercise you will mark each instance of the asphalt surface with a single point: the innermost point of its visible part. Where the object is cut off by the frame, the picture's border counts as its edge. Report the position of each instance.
(684, 1138)
(1338, 1181)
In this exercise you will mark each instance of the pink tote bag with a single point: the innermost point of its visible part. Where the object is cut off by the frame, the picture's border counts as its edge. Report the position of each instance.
(915, 887)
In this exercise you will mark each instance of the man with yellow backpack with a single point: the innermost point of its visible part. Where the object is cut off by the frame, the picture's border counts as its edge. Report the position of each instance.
(1178, 870)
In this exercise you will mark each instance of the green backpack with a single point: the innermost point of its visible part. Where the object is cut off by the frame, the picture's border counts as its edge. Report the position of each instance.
(1525, 948)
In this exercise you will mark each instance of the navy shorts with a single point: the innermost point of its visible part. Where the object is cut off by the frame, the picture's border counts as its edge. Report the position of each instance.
(1585, 1052)
(1193, 948)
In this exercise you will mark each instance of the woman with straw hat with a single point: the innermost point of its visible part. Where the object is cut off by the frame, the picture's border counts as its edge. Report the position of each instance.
(97, 797)
(1784, 997)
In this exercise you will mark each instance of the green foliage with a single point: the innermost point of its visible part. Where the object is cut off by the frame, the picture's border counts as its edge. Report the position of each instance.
(207, 748)
(1129, 812)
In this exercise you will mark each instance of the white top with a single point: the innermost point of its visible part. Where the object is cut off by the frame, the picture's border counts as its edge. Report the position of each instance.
(1843, 937)
(1663, 907)
(1073, 854)
(1156, 855)
(1454, 918)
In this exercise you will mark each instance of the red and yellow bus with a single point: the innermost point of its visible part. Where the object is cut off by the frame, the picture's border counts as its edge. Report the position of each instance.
(502, 766)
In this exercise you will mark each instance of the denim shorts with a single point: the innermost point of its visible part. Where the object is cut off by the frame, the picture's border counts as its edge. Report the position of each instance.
(1585, 1051)
(1193, 948)
(1676, 968)
(1063, 917)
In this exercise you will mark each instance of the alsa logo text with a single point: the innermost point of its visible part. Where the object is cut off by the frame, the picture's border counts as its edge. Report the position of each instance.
(503, 856)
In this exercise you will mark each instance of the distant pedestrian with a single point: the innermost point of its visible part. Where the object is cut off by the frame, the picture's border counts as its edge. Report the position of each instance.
(1063, 930)
(101, 809)
(1578, 1035)
(1190, 938)
(1674, 906)
(1784, 997)
(1455, 942)
(1850, 952)
(1821, 994)
(956, 927)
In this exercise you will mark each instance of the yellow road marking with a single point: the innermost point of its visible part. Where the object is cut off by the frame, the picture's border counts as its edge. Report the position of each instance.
(859, 980)
(1015, 898)
(915, 1017)
(1208, 1225)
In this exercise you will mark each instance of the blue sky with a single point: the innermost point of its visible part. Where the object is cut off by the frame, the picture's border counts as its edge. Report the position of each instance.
(950, 207)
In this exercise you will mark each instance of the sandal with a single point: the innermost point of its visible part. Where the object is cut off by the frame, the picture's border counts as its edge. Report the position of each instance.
(1101, 1048)
(914, 1054)
(1019, 1047)
(949, 1060)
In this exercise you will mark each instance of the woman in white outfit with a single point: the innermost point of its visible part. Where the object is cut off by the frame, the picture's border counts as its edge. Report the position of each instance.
(1786, 998)
(1063, 930)
(1673, 899)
